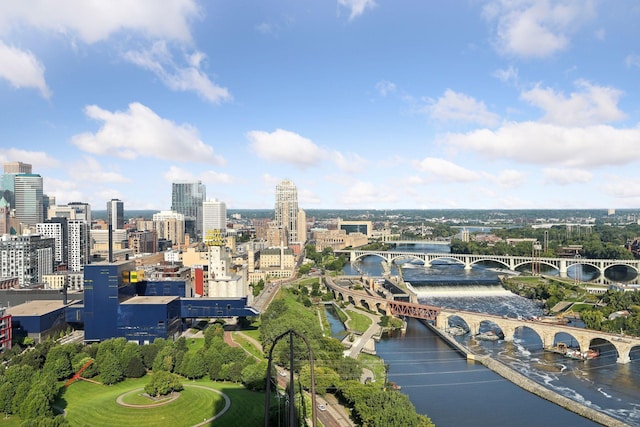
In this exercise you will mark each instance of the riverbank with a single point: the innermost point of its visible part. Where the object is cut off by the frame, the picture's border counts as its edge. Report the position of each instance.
(528, 384)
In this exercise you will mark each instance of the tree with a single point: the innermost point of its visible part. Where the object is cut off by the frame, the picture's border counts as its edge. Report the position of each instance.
(110, 369)
(135, 368)
(58, 363)
(212, 332)
(163, 383)
(7, 390)
(35, 405)
(181, 344)
(194, 366)
(165, 360)
(325, 378)
(149, 353)
(253, 376)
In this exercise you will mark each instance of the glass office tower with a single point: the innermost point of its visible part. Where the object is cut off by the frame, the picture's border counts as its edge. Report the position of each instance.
(187, 198)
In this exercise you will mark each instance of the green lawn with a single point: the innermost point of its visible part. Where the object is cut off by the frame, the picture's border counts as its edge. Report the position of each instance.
(376, 365)
(358, 322)
(195, 344)
(247, 345)
(95, 405)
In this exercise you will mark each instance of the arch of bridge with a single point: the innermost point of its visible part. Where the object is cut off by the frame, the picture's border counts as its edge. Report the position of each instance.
(547, 333)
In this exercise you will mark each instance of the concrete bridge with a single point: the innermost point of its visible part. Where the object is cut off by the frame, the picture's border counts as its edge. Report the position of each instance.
(369, 299)
(508, 261)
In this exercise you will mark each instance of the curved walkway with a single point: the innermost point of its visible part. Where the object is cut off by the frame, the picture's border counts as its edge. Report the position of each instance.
(227, 402)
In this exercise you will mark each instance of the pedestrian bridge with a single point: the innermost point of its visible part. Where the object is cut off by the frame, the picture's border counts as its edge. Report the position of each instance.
(509, 262)
(370, 300)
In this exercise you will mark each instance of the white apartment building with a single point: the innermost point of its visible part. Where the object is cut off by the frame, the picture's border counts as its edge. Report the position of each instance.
(28, 258)
(214, 217)
(170, 225)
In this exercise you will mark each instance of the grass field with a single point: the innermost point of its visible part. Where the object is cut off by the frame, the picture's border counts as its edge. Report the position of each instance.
(358, 322)
(376, 365)
(247, 345)
(95, 405)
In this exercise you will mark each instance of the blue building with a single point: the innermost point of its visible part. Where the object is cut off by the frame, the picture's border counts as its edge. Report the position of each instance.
(145, 318)
(118, 304)
(106, 285)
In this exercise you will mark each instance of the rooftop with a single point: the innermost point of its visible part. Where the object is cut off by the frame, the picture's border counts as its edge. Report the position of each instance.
(150, 300)
(37, 307)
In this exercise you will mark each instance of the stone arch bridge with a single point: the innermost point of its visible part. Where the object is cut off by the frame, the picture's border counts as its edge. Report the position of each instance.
(547, 332)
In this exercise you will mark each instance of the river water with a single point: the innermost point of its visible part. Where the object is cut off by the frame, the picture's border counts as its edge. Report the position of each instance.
(454, 392)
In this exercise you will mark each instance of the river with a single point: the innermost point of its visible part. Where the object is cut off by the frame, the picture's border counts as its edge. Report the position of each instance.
(452, 391)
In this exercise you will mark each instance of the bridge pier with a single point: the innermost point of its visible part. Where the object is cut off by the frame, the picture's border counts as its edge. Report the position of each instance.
(563, 268)
(623, 359)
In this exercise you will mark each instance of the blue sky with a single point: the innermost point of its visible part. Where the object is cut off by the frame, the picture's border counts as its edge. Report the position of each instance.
(364, 104)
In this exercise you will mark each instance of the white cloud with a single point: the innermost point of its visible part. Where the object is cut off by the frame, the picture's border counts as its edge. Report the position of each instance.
(536, 28)
(307, 197)
(64, 191)
(541, 143)
(367, 194)
(509, 178)
(141, 132)
(93, 21)
(385, 87)
(90, 170)
(178, 174)
(507, 75)
(352, 163)
(566, 176)
(213, 177)
(591, 105)
(22, 69)
(632, 60)
(286, 147)
(446, 170)
(37, 159)
(454, 106)
(356, 7)
(175, 173)
(622, 188)
(190, 77)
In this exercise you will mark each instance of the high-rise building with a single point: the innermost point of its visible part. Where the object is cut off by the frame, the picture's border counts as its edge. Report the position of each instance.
(214, 218)
(56, 229)
(170, 225)
(81, 210)
(187, 198)
(7, 181)
(79, 244)
(29, 205)
(26, 257)
(286, 209)
(17, 167)
(72, 241)
(115, 214)
(5, 211)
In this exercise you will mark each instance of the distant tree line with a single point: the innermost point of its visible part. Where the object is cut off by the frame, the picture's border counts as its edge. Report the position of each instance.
(598, 242)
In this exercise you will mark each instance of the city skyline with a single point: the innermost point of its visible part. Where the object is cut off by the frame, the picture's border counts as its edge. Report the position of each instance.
(363, 104)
